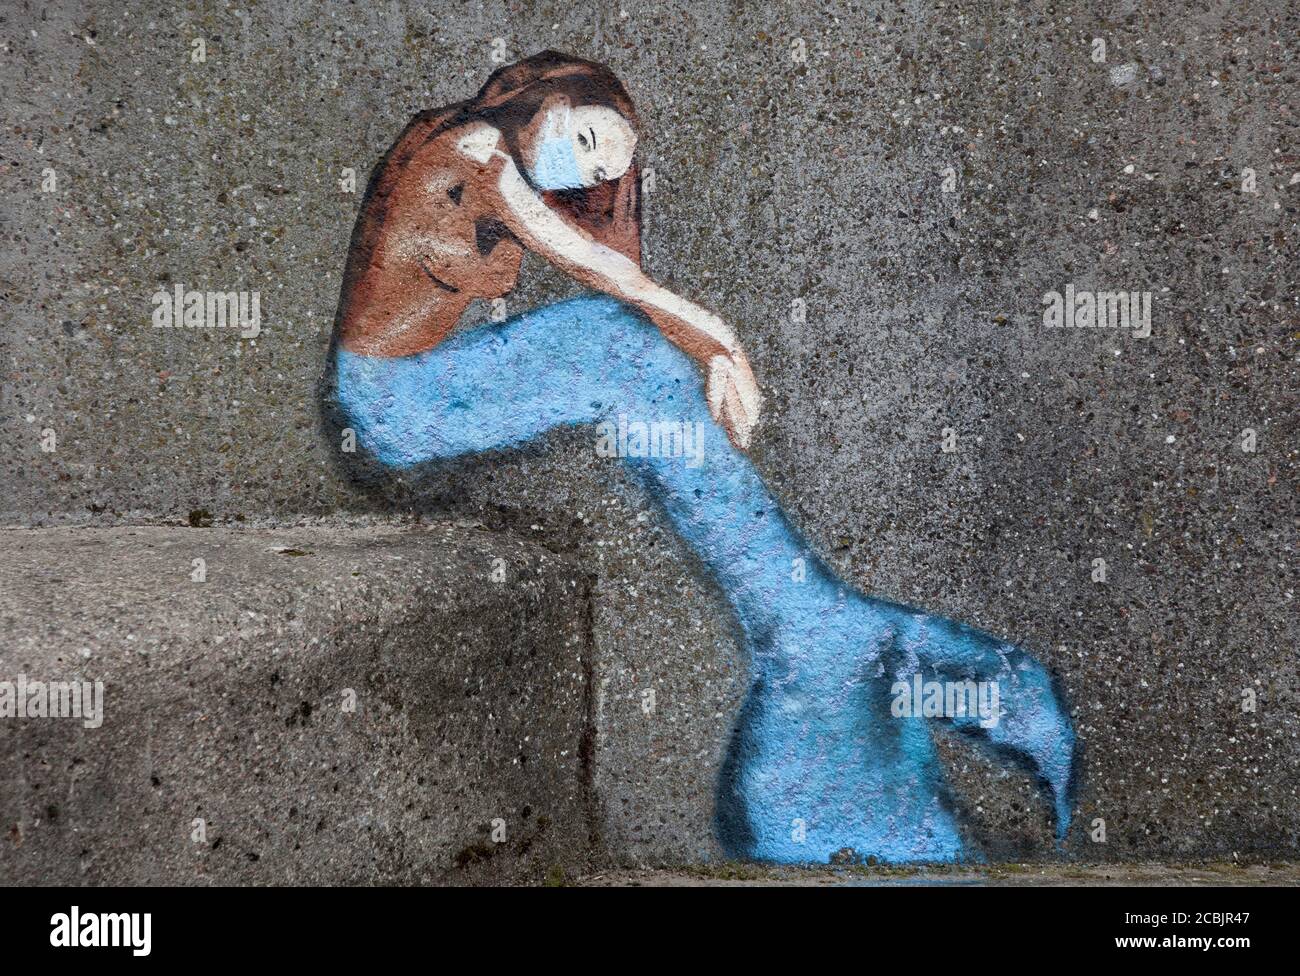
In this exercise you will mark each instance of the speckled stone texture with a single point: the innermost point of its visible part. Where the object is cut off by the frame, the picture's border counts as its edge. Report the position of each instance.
(337, 705)
(774, 181)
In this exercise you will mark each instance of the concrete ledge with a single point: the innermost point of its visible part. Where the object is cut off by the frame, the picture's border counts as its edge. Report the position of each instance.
(1214, 874)
(226, 702)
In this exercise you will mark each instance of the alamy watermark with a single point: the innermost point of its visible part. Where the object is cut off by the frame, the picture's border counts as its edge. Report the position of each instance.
(53, 699)
(1077, 309)
(657, 438)
(77, 929)
(947, 699)
(189, 309)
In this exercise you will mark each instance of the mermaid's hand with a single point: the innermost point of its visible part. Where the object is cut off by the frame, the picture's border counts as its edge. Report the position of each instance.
(733, 396)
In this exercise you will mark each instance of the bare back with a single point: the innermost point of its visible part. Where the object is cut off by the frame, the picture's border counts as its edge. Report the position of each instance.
(430, 239)
(428, 242)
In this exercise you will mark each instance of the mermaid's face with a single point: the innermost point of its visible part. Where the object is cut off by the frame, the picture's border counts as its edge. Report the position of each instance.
(579, 147)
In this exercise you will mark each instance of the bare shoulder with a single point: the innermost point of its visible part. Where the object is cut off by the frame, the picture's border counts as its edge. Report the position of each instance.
(477, 142)
(473, 142)
(449, 157)
(433, 139)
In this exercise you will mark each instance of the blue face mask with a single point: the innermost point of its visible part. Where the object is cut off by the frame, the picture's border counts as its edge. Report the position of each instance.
(556, 165)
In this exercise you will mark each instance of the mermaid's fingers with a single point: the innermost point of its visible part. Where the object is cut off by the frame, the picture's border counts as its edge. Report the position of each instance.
(716, 386)
(737, 420)
(746, 387)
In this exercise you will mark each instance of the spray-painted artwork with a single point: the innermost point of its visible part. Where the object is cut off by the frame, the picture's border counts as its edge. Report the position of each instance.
(828, 758)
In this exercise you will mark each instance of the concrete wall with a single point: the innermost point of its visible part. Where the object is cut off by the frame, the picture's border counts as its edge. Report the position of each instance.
(775, 180)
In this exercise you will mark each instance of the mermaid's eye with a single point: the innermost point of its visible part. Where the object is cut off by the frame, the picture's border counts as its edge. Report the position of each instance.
(583, 140)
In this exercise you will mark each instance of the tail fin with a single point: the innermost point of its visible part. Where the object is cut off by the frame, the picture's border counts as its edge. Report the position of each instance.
(1033, 726)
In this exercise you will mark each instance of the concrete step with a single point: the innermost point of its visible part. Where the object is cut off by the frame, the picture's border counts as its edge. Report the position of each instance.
(1212, 874)
(321, 704)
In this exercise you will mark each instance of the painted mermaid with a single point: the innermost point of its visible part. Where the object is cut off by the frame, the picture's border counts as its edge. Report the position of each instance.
(821, 763)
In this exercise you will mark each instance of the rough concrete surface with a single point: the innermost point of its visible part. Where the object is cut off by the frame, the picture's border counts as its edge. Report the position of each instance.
(338, 705)
(775, 181)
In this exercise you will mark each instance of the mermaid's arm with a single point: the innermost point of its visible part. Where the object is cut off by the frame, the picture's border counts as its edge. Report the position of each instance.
(610, 212)
(733, 393)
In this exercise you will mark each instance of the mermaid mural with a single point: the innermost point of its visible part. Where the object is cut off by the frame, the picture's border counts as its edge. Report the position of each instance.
(823, 762)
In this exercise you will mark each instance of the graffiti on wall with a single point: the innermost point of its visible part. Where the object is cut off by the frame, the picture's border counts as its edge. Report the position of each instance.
(832, 753)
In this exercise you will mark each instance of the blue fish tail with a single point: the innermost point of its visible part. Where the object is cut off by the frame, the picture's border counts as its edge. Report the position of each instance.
(1033, 728)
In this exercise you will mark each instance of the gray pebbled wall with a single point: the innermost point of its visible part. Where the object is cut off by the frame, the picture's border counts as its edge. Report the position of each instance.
(775, 181)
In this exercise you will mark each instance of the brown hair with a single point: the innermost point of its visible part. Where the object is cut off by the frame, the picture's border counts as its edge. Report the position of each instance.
(511, 98)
